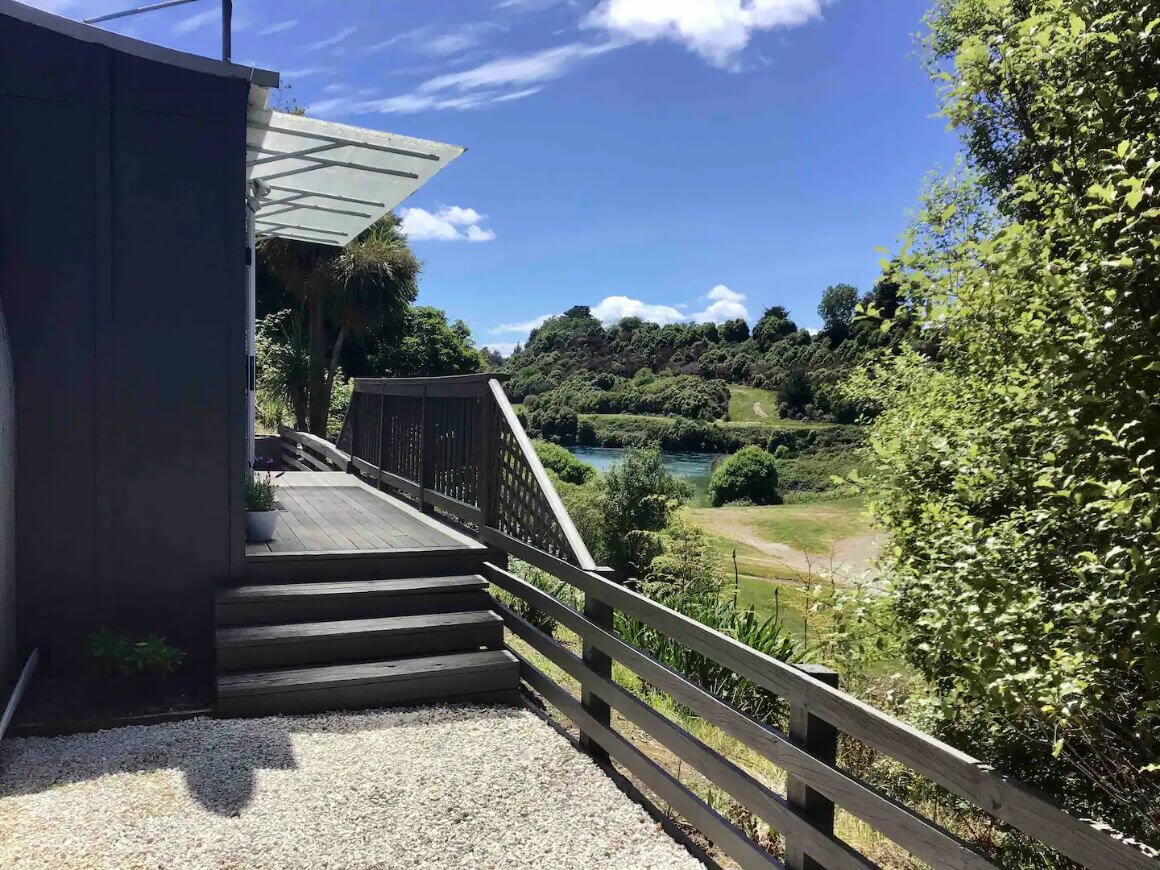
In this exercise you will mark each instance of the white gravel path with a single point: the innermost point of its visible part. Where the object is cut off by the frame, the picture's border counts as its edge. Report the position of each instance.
(434, 787)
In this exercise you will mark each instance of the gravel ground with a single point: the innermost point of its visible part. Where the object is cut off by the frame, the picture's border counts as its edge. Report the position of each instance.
(434, 787)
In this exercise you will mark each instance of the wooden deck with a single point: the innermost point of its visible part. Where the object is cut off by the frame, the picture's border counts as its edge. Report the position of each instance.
(329, 512)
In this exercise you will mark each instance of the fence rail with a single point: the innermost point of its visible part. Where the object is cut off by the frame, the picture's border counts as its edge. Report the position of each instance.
(455, 445)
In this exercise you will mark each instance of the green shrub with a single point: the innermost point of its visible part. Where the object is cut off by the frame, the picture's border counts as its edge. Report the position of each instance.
(552, 422)
(115, 652)
(686, 576)
(750, 474)
(566, 466)
(1015, 462)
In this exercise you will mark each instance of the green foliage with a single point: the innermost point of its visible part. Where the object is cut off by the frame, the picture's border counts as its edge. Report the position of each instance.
(552, 421)
(261, 493)
(422, 343)
(283, 363)
(678, 396)
(1015, 456)
(837, 310)
(342, 292)
(120, 654)
(682, 369)
(686, 575)
(749, 475)
(773, 326)
(640, 497)
(796, 392)
(563, 464)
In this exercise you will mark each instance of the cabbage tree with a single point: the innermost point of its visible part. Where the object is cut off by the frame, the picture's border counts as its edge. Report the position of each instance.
(343, 291)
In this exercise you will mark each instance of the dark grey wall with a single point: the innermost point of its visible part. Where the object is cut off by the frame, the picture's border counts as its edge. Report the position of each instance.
(7, 517)
(122, 272)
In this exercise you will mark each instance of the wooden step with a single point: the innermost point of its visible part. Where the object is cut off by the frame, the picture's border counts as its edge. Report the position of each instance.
(364, 564)
(352, 640)
(491, 676)
(279, 604)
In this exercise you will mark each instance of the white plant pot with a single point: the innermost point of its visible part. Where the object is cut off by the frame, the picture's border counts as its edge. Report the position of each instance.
(260, 526)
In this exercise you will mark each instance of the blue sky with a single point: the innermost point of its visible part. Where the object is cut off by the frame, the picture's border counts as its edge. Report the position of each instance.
(669, 158)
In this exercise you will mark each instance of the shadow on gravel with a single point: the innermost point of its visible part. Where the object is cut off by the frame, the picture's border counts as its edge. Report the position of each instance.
(220, 763)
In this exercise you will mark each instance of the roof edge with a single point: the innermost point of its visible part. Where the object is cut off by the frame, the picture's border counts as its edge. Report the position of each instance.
(138, 48)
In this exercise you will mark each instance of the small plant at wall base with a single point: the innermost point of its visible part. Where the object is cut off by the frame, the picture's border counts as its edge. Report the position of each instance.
(120, 654)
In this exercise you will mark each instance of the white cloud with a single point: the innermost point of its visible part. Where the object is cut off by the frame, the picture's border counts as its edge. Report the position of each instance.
(522, 70)
(721, 293)
(307, 71)
(724, 304)
(194, 22)
(451, 223)
(717, 30)
(526, 5)
(479, 234)
(504, 348)
(458, 40)
(610, 309)
(331, 41)
(522, 328)
(407, 104)
(279, 27)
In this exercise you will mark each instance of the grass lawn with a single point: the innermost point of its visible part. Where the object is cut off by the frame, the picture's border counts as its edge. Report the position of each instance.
(815, 527)
(811, 526)
(741, 402)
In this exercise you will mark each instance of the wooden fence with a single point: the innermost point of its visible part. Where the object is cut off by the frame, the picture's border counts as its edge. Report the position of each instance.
(454, 444)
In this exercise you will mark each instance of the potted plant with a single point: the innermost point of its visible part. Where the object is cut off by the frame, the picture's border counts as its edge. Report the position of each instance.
(261, 515)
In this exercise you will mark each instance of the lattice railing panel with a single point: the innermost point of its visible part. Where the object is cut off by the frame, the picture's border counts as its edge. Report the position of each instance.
(522, 508)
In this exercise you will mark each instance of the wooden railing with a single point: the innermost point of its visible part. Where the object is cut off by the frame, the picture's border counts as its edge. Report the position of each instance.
(819, 711)
(455, 445)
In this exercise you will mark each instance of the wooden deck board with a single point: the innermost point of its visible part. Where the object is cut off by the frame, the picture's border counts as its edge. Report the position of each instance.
(330, 511)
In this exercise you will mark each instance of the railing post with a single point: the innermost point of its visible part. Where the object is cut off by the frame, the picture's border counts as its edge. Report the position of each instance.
(603, 615)
(382, 436)
(426, 454)
(820, 739)
(488, 457)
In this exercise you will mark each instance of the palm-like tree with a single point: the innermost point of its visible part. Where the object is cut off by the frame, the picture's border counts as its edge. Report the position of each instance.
(343, 290)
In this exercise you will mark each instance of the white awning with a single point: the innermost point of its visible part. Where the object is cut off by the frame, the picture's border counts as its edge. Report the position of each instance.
(328, 182)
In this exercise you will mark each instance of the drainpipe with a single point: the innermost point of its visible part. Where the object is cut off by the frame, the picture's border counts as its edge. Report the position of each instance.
(252, 205)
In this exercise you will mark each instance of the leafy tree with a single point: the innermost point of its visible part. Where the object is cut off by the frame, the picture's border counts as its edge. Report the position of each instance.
(640, 497)
(773, 326)
(343, 290)
(421, 343)
(837, 310)
(735, 331)
(1016, 468)
(750, 475)
(796, 391)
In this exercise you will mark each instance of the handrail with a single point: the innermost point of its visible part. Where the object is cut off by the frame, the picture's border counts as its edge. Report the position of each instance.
(308, 452)
(997, 794)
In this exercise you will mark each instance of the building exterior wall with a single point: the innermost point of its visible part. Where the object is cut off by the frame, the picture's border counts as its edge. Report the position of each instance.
(122, 273)
(7, 517)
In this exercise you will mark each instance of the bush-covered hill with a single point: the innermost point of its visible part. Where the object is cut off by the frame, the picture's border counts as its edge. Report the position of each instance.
(574, 364)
